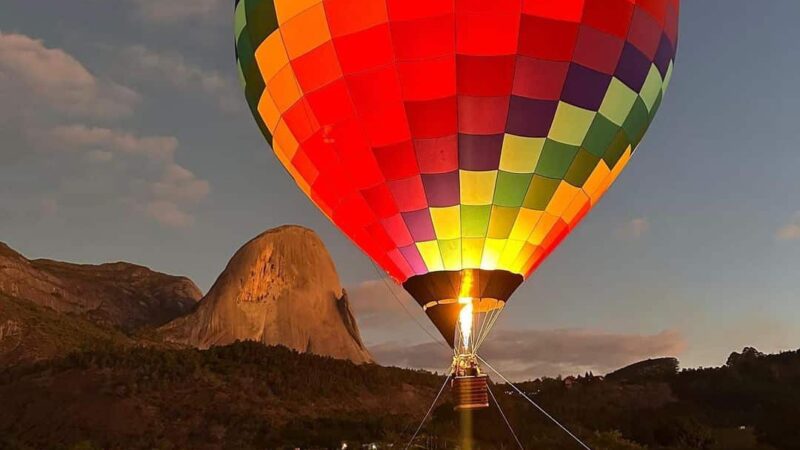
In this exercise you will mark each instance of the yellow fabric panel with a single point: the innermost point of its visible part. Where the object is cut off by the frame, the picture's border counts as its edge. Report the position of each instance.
(570, 124)
(501, 221)
(520, 154)
(306, 31)
(595, 181)
(510, 253)
(471, 252)
(447, 222)
(564, 194)
(301, 182)
(283, 138)
(284, 88)
(492, 250)
(268, 110)
(477, 188)
(526, 221)
(623, 161)
(668, 77)
(271, 56)
(578, 202)
(530, 262)
(651, 88)
(429, 250)
(525, 254)
(451, 254)
(542, 228)
(618, 102)
(286, 9)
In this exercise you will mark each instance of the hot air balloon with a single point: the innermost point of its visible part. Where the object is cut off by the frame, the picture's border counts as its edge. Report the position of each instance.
(456, 142)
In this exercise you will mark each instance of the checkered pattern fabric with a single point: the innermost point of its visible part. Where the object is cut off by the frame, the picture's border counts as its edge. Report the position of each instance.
(443, 135)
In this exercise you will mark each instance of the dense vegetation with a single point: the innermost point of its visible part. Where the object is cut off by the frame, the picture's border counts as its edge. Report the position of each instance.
(29, 332)
(246, 396)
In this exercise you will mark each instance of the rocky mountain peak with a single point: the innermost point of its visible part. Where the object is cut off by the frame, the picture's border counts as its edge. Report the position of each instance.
(280, 288)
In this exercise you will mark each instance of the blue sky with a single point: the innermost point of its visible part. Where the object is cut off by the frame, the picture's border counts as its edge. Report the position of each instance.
(124, 136)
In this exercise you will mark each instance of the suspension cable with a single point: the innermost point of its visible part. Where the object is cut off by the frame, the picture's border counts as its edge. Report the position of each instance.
(505, 419)
(553, 419)
(411, 441)
(489, 326)
(391, 290)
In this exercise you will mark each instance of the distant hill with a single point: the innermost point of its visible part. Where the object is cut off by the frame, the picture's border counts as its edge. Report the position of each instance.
(281, 288)
(30, 333)
(248, 396)
(651, 369)
(119, 294)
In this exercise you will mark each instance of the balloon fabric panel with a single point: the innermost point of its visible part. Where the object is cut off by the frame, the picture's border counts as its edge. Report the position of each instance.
(444, 136)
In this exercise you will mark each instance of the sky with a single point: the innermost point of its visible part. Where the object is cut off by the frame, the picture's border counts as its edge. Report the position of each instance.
(124, 136)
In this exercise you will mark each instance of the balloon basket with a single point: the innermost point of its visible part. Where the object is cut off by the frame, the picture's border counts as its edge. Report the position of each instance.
(471, 392)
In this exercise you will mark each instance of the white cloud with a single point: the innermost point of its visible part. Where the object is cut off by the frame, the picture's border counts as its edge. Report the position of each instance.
(634, 229)
(170, 190)
(791, 230)
(527, 354)
(32, 75)
(375, 303)
(42, 86)
(395, 339)
(48, 207)
(179, 10)
(169, 214)
(82, 137)
(173, 70)
(179, 185)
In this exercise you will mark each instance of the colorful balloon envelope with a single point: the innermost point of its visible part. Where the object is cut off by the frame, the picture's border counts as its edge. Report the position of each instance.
(455, 142)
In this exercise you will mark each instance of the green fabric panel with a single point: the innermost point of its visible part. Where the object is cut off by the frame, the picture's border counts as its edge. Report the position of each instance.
(501, 222)
(254, 84)
(262, 20)
(601, 133)
(239, 20)
(668, 77)
(511, 188)
(475, 220)
(581, 168)
(239, 72)
(652, 87)
(555, 160)
(616, 149)
(656, 105)
(540, 192)
(636, 123)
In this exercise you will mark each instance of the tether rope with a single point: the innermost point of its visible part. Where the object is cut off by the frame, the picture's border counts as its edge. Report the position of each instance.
(553, 419)
(508, 424)
(411, 441)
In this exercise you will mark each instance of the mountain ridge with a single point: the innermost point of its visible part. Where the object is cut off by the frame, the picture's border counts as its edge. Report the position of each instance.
(280, 287)
(118, 294)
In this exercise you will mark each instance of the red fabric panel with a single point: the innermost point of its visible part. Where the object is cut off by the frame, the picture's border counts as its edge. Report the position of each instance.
(610, 16)
(482, 115)
(485, 75)
(397, 161)
(432, 118)
(540, 79)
